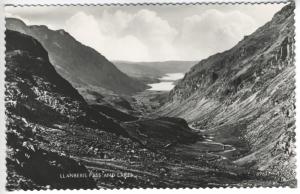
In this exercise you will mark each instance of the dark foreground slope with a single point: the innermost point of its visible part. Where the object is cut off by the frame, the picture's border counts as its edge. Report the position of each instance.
(52, 131)
(36, 98)
(245, 97)
(82, 66)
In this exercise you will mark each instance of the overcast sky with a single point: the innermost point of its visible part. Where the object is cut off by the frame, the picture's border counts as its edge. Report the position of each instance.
(153, 33)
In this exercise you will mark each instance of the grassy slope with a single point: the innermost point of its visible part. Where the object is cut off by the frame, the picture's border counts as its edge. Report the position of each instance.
(245, 97)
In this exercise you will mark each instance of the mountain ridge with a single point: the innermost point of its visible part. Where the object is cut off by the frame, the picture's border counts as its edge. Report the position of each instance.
(83, 66)
(51, 129)
(238, 96)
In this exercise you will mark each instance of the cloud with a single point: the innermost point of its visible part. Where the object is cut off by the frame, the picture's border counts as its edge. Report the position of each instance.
(145, 36)
(143, 33)
(85, 29)
(154, 32)
(138, 37)
(214, 31)
(102, 35)
(147, 25)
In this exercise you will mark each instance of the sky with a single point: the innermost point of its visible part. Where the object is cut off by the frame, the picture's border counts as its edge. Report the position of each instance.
(152, 33)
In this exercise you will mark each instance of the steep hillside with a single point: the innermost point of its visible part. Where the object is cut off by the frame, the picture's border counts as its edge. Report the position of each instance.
(36, 99)
(81, 65)
(245, 97)
(45, 114)
(52, 132)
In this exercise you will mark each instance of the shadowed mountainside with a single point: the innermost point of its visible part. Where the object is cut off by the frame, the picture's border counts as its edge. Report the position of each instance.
(240, 104)
(81, 65)
(49, 125)
(37, 97)
(245, 97)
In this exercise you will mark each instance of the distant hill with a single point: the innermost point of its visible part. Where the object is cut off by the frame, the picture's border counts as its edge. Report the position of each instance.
(81, 65)
(154, 69)
(246, 94)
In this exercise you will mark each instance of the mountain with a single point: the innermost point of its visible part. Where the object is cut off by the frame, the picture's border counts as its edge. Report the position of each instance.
(36, 98)
(245, 97)
(45, 115)
(81, 65)
(153, 69)
(52, 131)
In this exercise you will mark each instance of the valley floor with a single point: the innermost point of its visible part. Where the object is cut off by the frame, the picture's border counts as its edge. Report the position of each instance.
(206, 162)
(237, 108)
(114, 161)
(119, 162)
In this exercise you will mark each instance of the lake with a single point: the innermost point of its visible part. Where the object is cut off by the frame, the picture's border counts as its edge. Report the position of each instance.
(166, 82)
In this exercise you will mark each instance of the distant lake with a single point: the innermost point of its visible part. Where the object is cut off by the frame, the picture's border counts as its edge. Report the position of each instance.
(167, 82)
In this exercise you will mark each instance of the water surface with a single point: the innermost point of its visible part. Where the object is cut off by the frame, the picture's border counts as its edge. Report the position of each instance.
(166, 82)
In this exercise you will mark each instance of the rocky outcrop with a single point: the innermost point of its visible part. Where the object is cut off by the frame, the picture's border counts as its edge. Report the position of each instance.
(51, 129)
(36, 98)
(37, 92)
(81, 65)
(245, 97)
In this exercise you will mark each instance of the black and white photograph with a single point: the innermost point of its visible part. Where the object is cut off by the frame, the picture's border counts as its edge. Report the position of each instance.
(114, 96)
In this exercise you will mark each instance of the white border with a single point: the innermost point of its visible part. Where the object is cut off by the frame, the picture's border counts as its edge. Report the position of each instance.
(143, 191)
(124, 1)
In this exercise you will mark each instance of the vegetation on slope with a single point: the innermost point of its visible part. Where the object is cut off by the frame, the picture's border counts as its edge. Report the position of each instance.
(245, 97)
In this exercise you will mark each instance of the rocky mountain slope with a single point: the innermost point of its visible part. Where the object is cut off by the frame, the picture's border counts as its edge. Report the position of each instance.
(81, 65)
(36, 98)
(245, 97)
(52, 131)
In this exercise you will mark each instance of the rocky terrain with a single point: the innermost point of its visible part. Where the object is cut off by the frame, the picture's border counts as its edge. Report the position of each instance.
(228, 122)
(50, 128)
(245, 97)
(81, 65)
